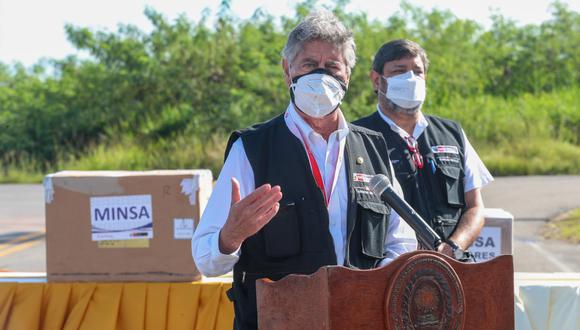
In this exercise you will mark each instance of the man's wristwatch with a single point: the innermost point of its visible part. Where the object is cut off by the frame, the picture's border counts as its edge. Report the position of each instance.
(458, 252)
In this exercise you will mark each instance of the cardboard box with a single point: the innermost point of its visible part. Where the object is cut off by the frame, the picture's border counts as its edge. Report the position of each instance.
(123, 226)
(496, 237)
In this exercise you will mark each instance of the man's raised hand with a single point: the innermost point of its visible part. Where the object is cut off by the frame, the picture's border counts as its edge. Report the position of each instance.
(248, 215)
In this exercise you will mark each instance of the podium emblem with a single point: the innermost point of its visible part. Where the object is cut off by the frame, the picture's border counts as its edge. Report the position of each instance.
(426, 294)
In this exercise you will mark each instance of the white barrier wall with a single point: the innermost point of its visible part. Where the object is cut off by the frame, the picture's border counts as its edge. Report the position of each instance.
(547, 301)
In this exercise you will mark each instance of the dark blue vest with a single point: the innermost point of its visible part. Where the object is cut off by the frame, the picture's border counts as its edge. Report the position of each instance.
(297, 240)
(436, 191)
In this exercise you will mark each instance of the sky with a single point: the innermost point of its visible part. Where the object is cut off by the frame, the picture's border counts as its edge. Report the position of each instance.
(34, 29)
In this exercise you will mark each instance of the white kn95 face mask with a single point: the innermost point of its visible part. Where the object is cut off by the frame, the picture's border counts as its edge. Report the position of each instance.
(406, 90)
(317, 93)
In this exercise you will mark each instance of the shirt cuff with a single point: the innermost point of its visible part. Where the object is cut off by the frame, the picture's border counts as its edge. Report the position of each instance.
(388, 258)
(218, 256)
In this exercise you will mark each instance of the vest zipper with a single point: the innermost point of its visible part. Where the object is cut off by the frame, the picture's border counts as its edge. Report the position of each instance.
(350, 204)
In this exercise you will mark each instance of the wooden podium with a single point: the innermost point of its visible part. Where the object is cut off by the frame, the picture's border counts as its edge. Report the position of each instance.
(419, 290)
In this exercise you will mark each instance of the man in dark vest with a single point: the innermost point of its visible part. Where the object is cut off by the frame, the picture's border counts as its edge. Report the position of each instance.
(438, 169)
(293, 194)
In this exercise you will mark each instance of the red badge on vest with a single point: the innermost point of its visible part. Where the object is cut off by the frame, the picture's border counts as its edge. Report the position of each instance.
(361, 177)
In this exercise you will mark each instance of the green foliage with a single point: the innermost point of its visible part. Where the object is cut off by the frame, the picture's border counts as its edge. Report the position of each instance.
(170, 97)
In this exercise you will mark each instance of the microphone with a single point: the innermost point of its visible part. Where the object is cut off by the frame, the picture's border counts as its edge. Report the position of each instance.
(381, 186)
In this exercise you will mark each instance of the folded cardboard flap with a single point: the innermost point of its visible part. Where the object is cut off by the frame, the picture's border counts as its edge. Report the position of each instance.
(97, 183)
(85, 208)
(94, 186)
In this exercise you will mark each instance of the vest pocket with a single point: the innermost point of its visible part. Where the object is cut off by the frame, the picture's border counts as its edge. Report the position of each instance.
(315, 235)
(245, 306)
(282, 233)
(444, 226)
(453, 185)
(373, 221)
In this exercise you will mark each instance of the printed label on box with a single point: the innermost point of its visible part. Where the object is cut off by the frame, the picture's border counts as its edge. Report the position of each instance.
(121, 217)
(183, 228)
(126, 244)
(488, 245)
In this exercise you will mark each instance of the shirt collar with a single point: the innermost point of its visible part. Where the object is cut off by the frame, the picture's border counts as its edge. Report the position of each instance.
(292, 117)
(420, 126)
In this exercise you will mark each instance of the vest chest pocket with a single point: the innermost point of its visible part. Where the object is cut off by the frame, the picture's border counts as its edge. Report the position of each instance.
(453, 184)
(373, 217)
(404, 167)
(282, 233)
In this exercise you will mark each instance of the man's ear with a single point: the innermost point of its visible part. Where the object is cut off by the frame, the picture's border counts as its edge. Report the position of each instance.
(286, 69)
(375, 79)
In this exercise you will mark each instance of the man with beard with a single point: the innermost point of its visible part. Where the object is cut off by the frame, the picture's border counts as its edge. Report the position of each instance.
(438, 169)
(293, 194)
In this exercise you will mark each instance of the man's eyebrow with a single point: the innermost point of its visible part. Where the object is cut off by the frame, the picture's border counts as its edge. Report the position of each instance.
(309, 59)
(333, 62)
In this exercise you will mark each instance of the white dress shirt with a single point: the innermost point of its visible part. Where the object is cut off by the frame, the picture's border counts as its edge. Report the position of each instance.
(476, 174)
(205, 242)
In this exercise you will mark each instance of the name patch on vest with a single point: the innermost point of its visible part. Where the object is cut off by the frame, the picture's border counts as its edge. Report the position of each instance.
(361, 177)
(445, 149)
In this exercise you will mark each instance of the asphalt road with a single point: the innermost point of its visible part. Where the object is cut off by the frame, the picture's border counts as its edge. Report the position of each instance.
(532, 200)
(22, 244)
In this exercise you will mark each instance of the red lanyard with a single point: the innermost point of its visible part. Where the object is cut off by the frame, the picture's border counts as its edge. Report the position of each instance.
(314, 166)
(316, 172)
(413, 147)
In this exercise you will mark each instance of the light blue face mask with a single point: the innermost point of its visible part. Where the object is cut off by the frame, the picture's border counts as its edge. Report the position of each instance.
(406, 90)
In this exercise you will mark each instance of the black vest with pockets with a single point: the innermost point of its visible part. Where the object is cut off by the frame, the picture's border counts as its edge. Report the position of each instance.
(297, 240)
(436, 191)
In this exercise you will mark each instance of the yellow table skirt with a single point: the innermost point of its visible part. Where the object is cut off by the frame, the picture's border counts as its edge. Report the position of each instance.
(105, 306)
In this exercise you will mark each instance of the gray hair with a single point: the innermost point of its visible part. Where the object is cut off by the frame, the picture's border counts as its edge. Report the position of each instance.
(324, 26)
(396, 50)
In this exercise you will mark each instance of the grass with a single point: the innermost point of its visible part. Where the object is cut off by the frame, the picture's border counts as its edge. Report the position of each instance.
(529, 134)
(13, 175)
(181, 152)
(566, 227)
(525, 135)
(25, 172)
(531, 157)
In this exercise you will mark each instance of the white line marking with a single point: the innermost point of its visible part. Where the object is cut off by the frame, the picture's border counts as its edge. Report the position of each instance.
(562, 267)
